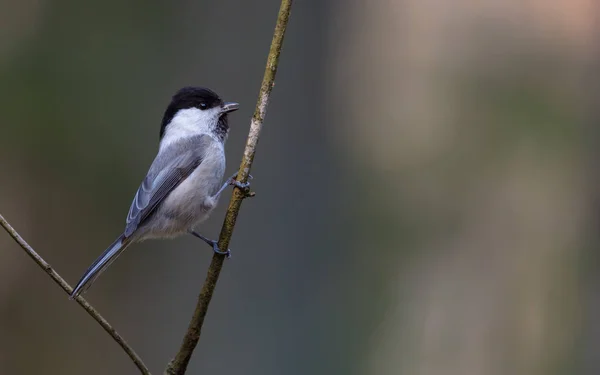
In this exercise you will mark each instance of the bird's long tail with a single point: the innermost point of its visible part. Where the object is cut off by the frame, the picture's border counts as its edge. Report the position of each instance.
(108, 256)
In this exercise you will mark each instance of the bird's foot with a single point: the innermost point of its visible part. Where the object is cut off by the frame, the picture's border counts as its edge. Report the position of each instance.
(214, 244)
(244, 186)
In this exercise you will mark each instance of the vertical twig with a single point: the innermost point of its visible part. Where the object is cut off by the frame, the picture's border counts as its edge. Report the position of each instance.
(178, 365)
(67, 288)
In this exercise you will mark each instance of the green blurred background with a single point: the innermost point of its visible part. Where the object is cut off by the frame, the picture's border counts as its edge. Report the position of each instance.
(427, 186)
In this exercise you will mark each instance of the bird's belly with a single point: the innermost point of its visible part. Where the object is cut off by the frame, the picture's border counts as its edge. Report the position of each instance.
(190, 203)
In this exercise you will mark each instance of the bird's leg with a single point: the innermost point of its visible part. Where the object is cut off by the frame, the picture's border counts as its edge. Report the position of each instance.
(211, 243)
(232, 181)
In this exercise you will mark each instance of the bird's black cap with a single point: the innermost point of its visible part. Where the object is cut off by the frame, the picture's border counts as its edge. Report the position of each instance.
(190, 97)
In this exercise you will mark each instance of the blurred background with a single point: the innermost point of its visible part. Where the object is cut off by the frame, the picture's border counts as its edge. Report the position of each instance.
(427, 186)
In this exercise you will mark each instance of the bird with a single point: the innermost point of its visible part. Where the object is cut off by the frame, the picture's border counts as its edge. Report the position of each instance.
(183, 183)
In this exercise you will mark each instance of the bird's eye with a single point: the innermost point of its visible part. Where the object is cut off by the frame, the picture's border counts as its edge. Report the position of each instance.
(203, 105)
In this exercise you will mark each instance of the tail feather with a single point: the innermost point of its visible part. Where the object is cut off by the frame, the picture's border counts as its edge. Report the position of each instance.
(108, 256)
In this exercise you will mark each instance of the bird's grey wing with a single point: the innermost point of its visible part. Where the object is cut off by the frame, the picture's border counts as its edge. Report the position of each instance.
(168, 170)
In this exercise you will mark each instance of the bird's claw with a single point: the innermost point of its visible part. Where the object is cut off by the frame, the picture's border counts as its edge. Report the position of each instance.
(213, 243)
(219, 251)
(244, 186)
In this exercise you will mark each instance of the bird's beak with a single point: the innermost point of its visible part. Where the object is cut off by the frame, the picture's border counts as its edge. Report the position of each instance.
(230, 107)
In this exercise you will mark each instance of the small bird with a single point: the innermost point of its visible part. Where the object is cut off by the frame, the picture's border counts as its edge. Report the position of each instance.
(183, 184)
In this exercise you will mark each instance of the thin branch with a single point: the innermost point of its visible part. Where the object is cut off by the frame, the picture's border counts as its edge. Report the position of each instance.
(178, 365)
(67, 288)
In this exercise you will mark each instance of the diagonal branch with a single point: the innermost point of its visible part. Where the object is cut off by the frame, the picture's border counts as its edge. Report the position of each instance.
(67, 288)
(178, 365)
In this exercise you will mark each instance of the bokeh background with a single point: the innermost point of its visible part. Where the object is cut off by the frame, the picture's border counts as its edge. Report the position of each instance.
(427, 186)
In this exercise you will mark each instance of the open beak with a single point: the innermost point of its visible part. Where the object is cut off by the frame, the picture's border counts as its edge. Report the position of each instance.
(230, 107)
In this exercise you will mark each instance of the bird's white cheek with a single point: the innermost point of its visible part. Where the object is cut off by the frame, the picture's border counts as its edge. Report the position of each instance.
(190, 122)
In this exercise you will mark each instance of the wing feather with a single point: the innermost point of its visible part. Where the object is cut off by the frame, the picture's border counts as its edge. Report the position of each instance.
(168, 170)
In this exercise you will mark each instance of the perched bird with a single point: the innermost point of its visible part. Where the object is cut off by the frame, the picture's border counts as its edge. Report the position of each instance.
(184, 181)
